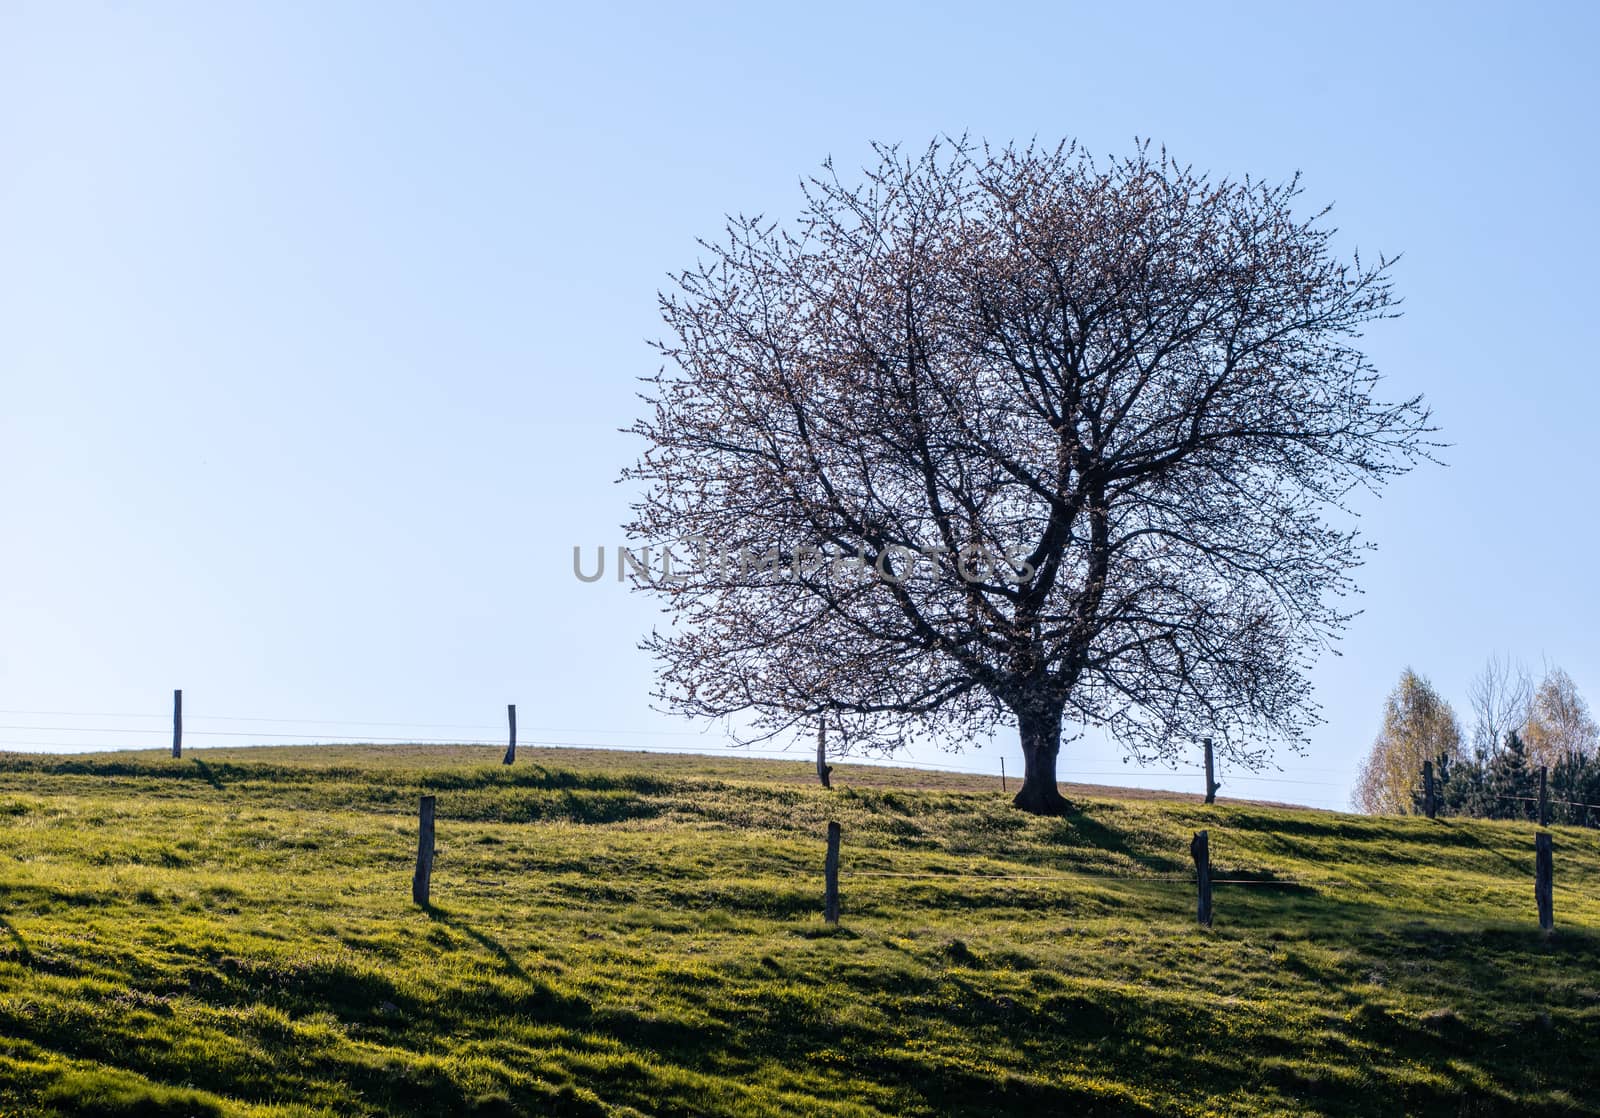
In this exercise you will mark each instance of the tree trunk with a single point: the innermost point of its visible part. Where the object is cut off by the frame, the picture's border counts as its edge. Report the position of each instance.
(1040, 727)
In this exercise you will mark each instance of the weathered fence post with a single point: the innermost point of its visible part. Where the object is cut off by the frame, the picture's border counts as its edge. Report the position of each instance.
(1542, 880)
(177, 723)
(511, 750)
(1428, 808)
(1211, 775)
(1200, 850)
(1544, 796)
(424, 875)
(830, 869)
(1002, 774)
(824, 770)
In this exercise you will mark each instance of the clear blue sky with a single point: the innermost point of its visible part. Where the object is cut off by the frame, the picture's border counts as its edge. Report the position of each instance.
(317, 322)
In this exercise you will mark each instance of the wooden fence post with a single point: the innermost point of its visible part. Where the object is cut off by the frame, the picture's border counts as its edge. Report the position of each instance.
(824, 770)
(1200, 851)
(177, 723)
(1428, 807)
(830, 869)
(1002, 774)
(1211, 775)
(511, 750)
(424, 875)
(1542, 880)
(1544, 796)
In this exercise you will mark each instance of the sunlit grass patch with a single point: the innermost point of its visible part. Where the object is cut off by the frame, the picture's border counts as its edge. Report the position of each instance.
(644, 936)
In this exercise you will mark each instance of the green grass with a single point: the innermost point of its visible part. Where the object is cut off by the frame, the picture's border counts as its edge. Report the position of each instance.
(233, 934)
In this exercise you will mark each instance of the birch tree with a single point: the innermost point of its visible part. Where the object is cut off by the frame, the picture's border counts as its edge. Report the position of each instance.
(1419, 726)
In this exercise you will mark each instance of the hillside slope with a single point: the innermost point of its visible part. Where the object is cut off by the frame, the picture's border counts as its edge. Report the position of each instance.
(233, 934)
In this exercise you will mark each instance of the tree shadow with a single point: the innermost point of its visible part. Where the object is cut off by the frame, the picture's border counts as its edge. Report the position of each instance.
(23, 953)
(1465, 836)
(483, 939)
(1078, 828)
(205, 771)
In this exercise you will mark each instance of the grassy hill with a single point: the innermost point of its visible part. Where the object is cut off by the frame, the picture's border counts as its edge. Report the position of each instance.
(618, 934)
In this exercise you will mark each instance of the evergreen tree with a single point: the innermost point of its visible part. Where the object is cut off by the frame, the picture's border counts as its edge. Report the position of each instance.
(1575, 784)
(1461, 788)
(1511, 789)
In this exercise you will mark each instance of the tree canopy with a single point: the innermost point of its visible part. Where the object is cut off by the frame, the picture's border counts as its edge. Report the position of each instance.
(1558, 723)
(1025, 436)
(1419, 726)
(1499, 695)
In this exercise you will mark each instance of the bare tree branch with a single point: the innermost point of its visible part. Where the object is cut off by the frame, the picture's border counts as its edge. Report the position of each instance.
(1137, 386)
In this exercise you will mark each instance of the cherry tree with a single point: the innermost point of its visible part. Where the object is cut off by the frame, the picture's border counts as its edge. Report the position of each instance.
(1016, 436)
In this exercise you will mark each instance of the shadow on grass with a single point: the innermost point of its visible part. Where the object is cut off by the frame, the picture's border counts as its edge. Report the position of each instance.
(483, 939)
(24, 956)
(205, 771)
(1465, 837)
(1077, 828)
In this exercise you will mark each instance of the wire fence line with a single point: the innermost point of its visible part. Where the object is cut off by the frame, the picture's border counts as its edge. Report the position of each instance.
(338, 722)
(1548, 800)
(1185, 880)
(1201, 879)
(287, 738)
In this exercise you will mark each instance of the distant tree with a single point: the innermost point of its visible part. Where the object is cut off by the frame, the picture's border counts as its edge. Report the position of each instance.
(1575, 790)
(1461, 788)
(1558, 721)
(1506, 786)
(1418, 726)
(1499, 697)
(1510, 785)
(1075, 427)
